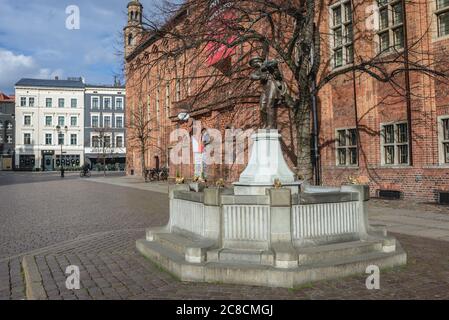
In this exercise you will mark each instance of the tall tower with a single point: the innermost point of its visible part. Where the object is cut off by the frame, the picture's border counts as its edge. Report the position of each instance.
(133, 29)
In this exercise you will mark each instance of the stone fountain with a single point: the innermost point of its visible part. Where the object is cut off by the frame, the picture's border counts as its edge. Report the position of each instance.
(258, 234)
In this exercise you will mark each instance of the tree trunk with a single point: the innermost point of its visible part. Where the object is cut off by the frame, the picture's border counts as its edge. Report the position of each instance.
(142, 160)
(303, 131)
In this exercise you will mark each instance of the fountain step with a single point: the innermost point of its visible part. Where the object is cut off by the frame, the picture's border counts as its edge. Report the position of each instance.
(256, 274)
(246, 256)
(321, 253)
(193, 249)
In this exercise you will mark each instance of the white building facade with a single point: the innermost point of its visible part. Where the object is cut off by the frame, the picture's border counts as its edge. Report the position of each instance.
(49, 118)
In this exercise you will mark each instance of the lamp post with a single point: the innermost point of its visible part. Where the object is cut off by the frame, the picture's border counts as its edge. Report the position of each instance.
(59, 130)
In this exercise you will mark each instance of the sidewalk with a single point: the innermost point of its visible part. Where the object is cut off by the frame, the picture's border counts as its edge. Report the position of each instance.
(132, 182)
(415, 219)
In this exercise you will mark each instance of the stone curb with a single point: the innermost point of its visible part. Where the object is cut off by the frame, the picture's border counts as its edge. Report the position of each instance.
(33, 280)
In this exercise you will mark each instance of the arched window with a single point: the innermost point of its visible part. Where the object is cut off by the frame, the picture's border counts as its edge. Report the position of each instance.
(130, 39)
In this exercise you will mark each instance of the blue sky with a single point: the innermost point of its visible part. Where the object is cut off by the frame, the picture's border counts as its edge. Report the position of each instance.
(34, 40)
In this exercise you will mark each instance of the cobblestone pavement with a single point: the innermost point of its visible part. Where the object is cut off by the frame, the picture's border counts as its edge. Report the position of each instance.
(111, 268)
(94, 226)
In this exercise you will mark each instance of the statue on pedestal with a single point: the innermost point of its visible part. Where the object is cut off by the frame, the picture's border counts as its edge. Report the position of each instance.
(268, 73)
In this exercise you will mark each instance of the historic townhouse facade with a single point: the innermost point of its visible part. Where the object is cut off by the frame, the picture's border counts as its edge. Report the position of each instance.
(104, 136)
(396, 142)
(7, 124)
(49, 115)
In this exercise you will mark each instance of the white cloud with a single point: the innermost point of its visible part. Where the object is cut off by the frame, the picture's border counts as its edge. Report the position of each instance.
(13, 67)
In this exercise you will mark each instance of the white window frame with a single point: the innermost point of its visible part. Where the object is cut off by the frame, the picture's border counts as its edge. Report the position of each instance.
(92, 135)
(71, 103)
(76, 121)
(92, 115)
(92, 103)
(394, 144)
(25, 116)
(45, 121)
(45, 139)
(76, 137)
(347, 147)
(34, 102)
(31, 139)
(123, 140)
(59, 124)
(118, 117)
(110, 103)
(23, 101)
(51, 102)
(119, 99)
(63, 102)
(107, 115)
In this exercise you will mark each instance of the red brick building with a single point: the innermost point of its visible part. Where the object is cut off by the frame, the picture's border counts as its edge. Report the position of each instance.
(394, 135)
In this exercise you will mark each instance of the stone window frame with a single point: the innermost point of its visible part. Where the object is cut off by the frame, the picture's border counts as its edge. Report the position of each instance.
(346, 147)
(49, 105)
(344, 23)
(442, 140)
(23, 101)
(444, 10)
(396, 144)
(387, 6)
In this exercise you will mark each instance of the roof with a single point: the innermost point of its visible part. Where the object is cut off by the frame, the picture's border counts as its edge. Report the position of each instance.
(105, 86)
(6, 98)
(78, 84)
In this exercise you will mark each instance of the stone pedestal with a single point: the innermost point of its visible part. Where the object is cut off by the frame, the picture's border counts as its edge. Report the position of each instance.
(265, 165)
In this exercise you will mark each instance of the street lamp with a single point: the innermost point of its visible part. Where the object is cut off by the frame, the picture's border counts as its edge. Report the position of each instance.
(59, 130)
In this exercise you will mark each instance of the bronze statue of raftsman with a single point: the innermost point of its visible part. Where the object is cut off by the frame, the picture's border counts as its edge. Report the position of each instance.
(274, 88)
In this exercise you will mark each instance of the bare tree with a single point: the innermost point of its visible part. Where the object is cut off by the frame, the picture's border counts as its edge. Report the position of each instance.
(103, 145)
(187, 36)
